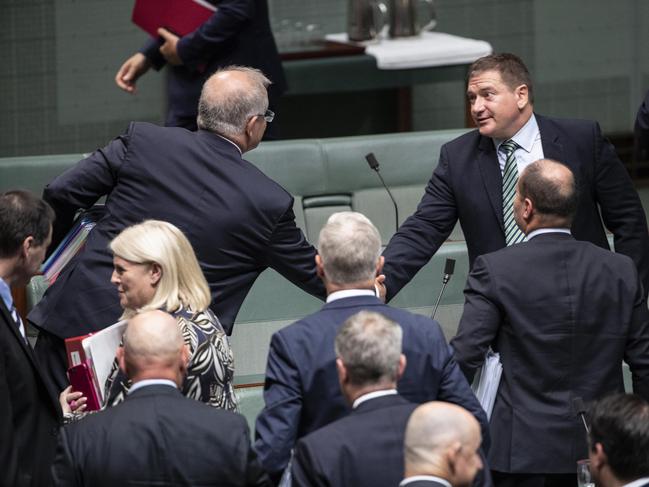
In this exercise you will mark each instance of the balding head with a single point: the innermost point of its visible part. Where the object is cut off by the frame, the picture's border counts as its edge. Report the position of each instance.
(546, 196)
(442, 439)
(230, 97)
(153, 348)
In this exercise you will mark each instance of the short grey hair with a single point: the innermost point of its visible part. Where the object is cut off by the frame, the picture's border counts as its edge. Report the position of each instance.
(350, 247)
(227, 111)
(369, 344)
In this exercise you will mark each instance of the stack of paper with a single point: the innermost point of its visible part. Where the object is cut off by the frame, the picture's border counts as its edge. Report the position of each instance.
(423, 51)
(487, 386)
(72, 244)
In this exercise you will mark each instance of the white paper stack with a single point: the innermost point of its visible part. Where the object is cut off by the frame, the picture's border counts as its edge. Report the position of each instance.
(426, 50)
(487, 386)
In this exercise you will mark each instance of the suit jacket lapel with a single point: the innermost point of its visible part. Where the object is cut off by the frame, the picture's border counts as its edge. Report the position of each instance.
(26, 347)
(491, 176)
(552, 148)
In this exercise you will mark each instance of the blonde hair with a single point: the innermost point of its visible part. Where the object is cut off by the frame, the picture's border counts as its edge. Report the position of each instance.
(182, 282)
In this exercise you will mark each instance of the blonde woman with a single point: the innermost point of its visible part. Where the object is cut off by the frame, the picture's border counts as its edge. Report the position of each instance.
(155, 268)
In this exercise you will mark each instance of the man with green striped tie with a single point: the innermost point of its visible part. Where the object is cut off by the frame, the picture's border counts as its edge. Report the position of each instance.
(475, 179)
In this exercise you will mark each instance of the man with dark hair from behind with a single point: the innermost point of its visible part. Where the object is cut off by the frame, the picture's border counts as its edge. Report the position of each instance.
(563, 314)
(156, 436)
(619, 441)
(364, 448)
(29, 410)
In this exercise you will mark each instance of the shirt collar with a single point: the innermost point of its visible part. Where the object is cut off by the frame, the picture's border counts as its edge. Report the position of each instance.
(373, 395)
(541, 231)
(433, 478)
(228, 140)
(152, 382)
(5, 294)
(525, 137)
(637, 483)
(349, 293)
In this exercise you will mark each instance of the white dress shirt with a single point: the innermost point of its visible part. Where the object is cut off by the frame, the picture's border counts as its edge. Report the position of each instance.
(541, 231)
(373, 395)
(432, 478)
(152, 382)
(349, 293)
(530, 148)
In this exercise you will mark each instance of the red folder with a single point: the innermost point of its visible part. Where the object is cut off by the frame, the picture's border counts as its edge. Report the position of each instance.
(74, 350)
(179, 16)
(83, 380)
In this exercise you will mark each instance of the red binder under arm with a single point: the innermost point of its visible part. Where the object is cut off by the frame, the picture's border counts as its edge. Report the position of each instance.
(179, 16)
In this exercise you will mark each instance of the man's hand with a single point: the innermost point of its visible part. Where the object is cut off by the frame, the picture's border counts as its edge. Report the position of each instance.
(131, 70)
(169, 48)
(379, 285)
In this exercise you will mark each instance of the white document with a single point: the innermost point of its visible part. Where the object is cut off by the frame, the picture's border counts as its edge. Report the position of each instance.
(101, 348)
(487, 386)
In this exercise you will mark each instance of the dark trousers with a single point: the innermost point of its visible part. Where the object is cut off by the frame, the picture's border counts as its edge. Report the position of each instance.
(51, 356)
(502, 479)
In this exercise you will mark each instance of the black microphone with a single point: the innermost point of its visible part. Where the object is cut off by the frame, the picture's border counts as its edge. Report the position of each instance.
(578, 404)
(449, 267)
(374, 165)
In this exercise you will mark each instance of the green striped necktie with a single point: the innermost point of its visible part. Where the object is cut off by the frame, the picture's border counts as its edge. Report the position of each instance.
(513, 234)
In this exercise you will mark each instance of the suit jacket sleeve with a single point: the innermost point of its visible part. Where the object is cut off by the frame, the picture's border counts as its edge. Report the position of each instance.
(292, 256)
(216, 32)
(620, 205)
(63, 468)
(82, 185)
(276, 427)
(637, 345)
(480, 320)
(305, 470)
(8, 452)
(641, 131)
(422, 233)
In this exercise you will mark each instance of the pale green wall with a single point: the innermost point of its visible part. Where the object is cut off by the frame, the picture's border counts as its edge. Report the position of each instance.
(59, 58)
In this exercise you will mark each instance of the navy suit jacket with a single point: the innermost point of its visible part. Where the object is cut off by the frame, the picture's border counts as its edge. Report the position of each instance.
(467, 185)
(29, 412)
(237, 33)
(365, 448)
(563, 314)
(238, 220)
(301, 391)
(157, 437)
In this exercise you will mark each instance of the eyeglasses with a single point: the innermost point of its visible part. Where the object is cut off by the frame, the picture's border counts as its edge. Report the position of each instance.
(269, 116)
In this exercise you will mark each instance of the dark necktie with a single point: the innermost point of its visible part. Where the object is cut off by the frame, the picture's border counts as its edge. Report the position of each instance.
(513, 234)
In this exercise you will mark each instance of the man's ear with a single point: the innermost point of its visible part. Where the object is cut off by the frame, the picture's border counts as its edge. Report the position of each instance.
(319, 266)
(121, 361)
(343, 376)
(452, 453)
(528, 209)
(185, 354)
(27, 245)
(402, 366)
(379, 265)
(522, 96)
(598, 458)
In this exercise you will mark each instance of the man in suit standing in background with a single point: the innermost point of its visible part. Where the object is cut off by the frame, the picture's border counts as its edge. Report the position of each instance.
(29, 410)
(441, 447)
(238, 220)
(156, 436)
(477, 172)
(619, 441)
(238, 33)
(301, 390)
(364, 448)
(563, 314)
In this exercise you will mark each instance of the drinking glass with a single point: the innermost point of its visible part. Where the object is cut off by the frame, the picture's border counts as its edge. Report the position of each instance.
(584, 478)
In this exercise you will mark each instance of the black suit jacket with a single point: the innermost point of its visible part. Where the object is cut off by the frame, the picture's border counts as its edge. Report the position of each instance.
(467, 184)
(238, 221)
(157, 437)
(563, 314)
(238, 33)
(365, 448)
(301, 391)
(29, 412)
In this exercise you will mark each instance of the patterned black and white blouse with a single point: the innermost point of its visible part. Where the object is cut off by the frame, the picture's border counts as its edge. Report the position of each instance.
(211, 365)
